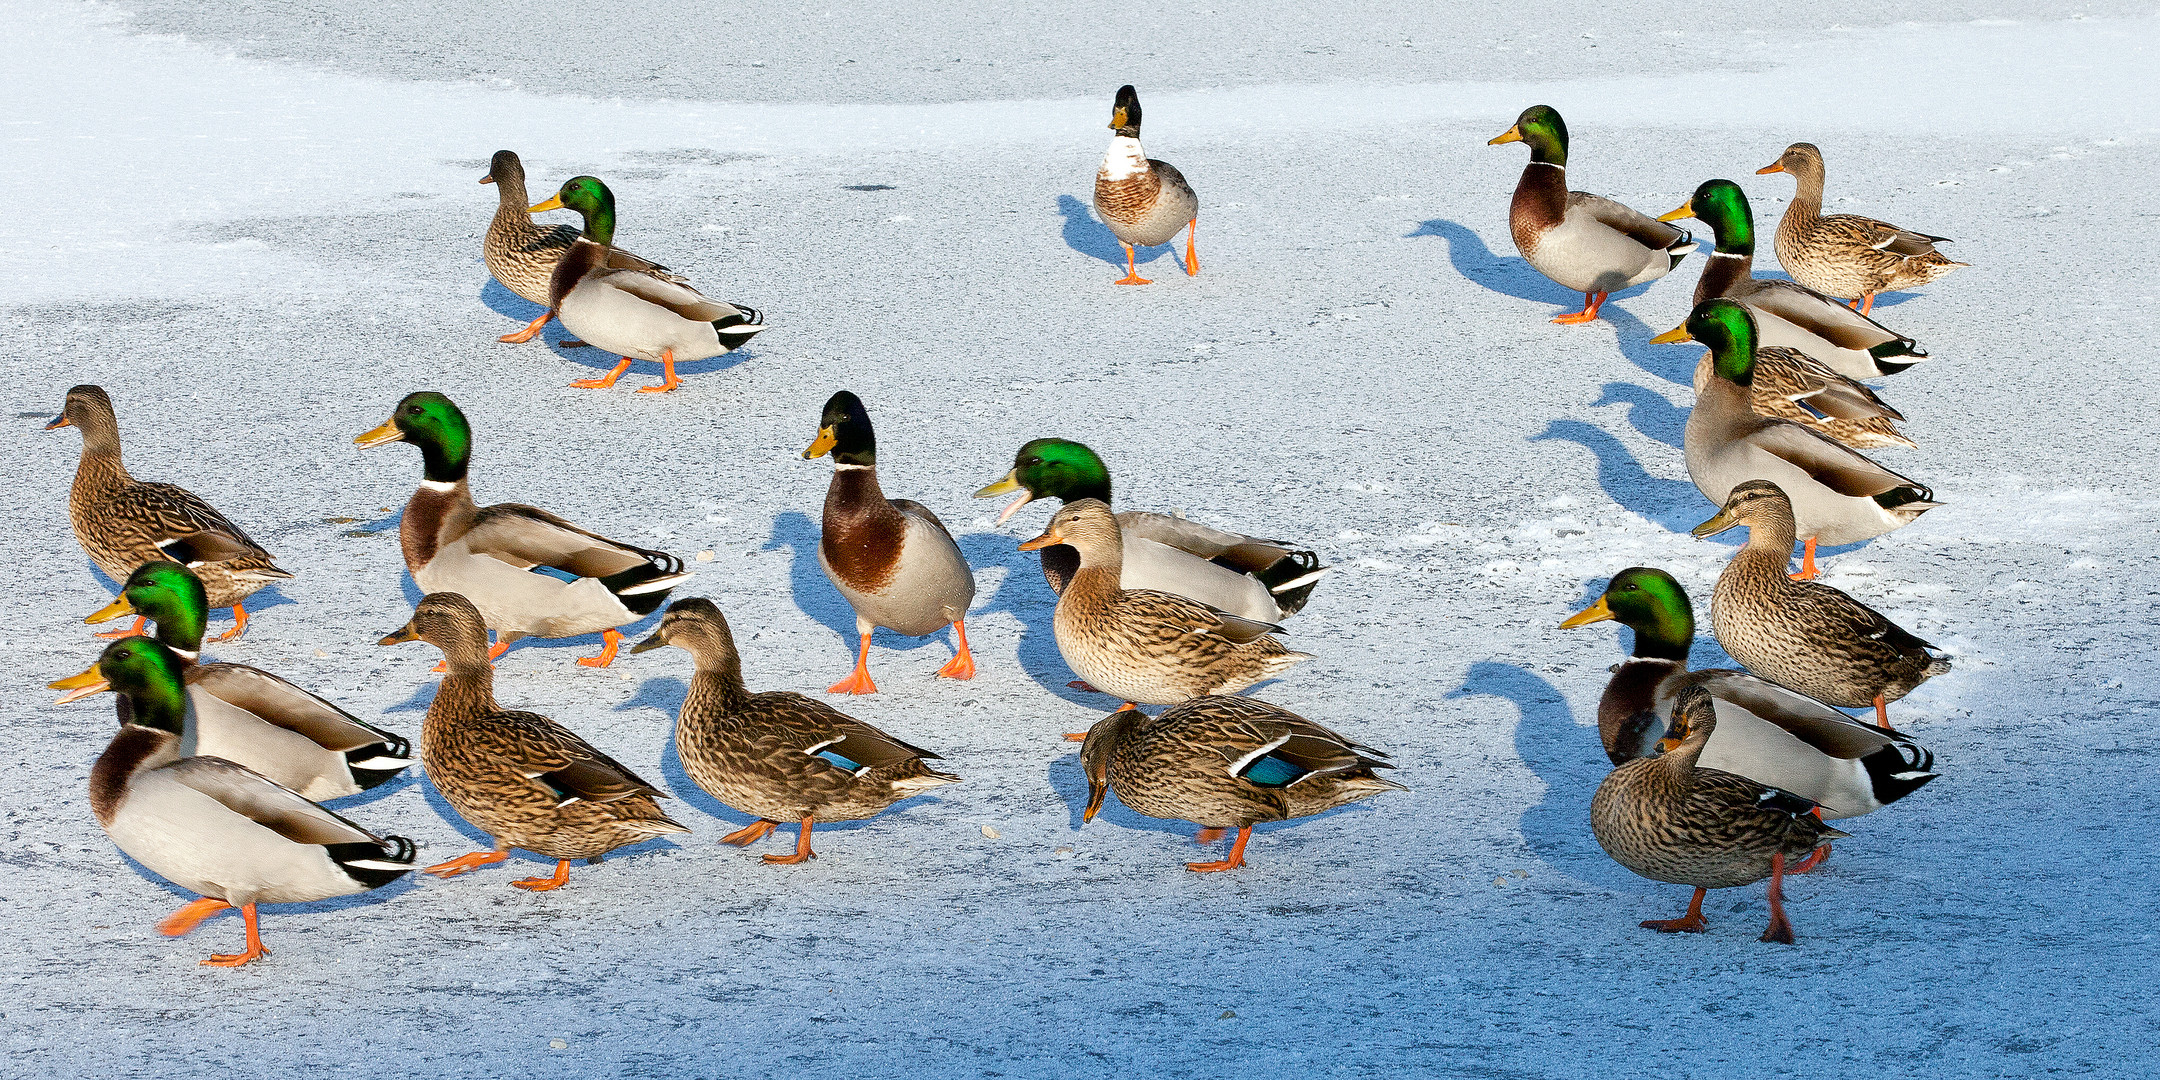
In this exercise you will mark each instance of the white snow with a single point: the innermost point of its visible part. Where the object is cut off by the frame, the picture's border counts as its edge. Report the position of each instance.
(259, 228)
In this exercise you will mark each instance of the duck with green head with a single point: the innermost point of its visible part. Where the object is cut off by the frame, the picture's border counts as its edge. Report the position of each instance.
(1787, 313)
(522, 255)
(530, 572)
(1143, 202)
(247, 715)
(1585, 242)
(208, 825)
(631, 312)
(892, 559)
(1839, 495)
(1246, 576)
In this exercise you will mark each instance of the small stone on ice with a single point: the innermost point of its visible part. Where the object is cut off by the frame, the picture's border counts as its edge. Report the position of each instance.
(321, 655)
(1522, 873)
(558, 1044)
(704, 556)
(626, 676)
(1064, 852)
(1501, 880)
(990, 832)
(1227, 1015)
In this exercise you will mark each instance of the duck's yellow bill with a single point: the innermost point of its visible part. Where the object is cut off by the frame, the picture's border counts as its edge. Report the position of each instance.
(1674, 336)
(1513, 134)
(822, 445)
(1009, 482)
(1687, 210)
(387, 433)
(554, 202)
(114, 610)
(1723, 521)
(1670, 742)
(1595, 613)
(1775, 166)
(1117, 119)
(79, 686)
(1094, 804)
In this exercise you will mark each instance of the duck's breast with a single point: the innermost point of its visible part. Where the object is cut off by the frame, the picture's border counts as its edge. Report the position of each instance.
(640, 319)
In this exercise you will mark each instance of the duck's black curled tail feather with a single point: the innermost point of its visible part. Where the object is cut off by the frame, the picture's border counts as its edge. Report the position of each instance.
(375, 865)
(1899, 769)
(1291, 580)
(644, 588)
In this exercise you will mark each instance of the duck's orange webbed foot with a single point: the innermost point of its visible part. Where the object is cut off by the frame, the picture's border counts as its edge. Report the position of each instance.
(1236, 859)
(962, 665)
(604, 381)
(239, 624)
(668, 381)
(462, 863)
(1132, 274)
(1192, 257)
(132, 631)
(1589, 312)
(1690, 923)
(609, 640)
(858, 680)
(751, 833)
(1814, 859)
(1780, 929)
(560, 878)
(190, 916)
(531, 331)
(802, 849)
(1808, 570)
(255, 950)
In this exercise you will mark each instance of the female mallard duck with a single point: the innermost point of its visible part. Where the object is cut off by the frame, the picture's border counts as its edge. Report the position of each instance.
(1144, 202)
(1243, 575)
(632, 312)
(1786, 313)
(1585, 242)
(1765, 732)
(525, 780)
(213, 827)
(892, 559)
(1804, 634)
(249, 716)
(1844, 255)
(122, 522)
(1840, 495)
(779, 755)
(1670, 818)
(530, 573)
(1154, 648)
(1226, 763)
(523, 255)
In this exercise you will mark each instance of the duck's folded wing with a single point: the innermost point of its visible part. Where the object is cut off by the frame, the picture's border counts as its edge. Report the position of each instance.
(287, 706)
(546, 751)
(1826, 729)
(1638, 226)
(618, 259)
(1244, 554)
(252, 795)
(1809, 381)
(1827, 319)
(674, 296)
(915, 509)
(528, 536)
(1833, 464)
(187, 529)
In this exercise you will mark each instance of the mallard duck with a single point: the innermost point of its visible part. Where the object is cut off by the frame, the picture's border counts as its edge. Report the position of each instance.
(1842, 496)
(248, 716)
(1154, 648)
(211, 826)
(1243, 575)
(892, 559)
(1670, 818)
(633, 312)
(523, 255)
(531, 573)
(779, 755)
(1765, 732)
(1788, 384)
(1845, 255)
(1787, 313)
(1804, 634)
(1144, 202)
(525, 780)
(1226, 763)
(1585, 242)
(122, 522)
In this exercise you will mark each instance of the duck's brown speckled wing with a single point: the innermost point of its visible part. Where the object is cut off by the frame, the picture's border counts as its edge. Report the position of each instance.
(543, 750)
(179, 523)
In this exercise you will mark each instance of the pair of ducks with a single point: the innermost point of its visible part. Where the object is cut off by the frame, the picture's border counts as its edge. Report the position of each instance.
(1596, 246)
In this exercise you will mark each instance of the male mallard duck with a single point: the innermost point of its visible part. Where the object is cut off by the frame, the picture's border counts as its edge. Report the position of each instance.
(1243, 575)
(779, 755)
(1154, 648)
(1765, 732)
(893, 559)
(1226, 763)
(525, 780)
(249, 716)
(1787, 313)
(531, 574)
(1585, 242)
(122, 522)
(633, 312)
(1144, 202)
(213, 827)
(523, 255)
(1804, 634)
(1670, 818)
(1841, 495)
(1844, 255)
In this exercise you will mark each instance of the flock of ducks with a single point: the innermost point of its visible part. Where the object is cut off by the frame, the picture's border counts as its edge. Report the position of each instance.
(216, 776)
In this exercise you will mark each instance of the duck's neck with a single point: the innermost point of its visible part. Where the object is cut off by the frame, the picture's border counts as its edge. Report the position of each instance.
(1730, 266)
(1540, 202)
(510, 210)
(1768, 549)
(100, 466)
(439, 510)
(181, 630)
(1627, 713)
(468, 690)
(1124, 159)
(717, 688)
(1101, 572)
(1806, 207)
(854, 495)
(136, 748)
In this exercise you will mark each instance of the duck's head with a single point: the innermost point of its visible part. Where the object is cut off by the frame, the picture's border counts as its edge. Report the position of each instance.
(1095, 752)
(696, 626)
(433, 423)
(1721, 205)
(1727, 330)
(89, 409)
(1800, 159)
(591, 199)
(1541, 127)
(844, 432)
(449, 622)
(1125, 112)
(1649, 602)
(1085, 524)
(505, 169)
(1755, 503)
(148, 675)
(167, 594)
(1694, 718)
(1058, 469)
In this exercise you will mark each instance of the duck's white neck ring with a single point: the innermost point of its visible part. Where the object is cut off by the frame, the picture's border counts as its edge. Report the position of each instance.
(438, 485)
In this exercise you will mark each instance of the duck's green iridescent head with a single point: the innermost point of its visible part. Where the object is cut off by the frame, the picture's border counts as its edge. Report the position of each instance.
(1541, 127)
(147, 674)
(844, 432)
(1721, 205)
(1058, 469)
(591, 199)
(169, 595)
(437, 426)
(1727, 330)
(1648, 601)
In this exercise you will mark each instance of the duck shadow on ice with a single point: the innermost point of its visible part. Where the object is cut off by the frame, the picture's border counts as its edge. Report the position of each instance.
(1649, 411)
(1673, 504)
(1086, 234)
(1024, 595)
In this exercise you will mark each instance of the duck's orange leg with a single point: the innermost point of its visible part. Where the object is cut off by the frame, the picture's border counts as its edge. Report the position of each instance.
(1083, 686)
(560, 878)
(531, 331)
(239, 624)
(1236, 859)
(668, 381)
(132, 631)
(1591, 302)
(1690, 923)
(1808, 572)
(1780, 929)
(610, 639)
(255, 950)
(1192, 258)
(1208, 834)
(606, 380)
(858, 681)
(802, 848)
(1132, 273)
(1867, 307)
(1815, 858)
(1882, 712)
(463, 863)
(191, 916)
(751, 833)
(962, 665)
